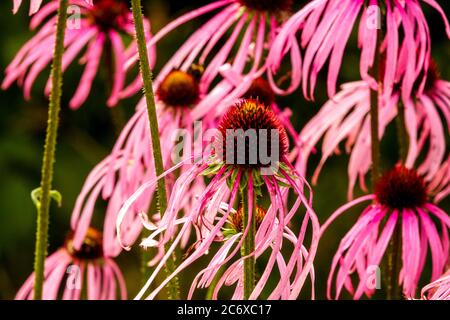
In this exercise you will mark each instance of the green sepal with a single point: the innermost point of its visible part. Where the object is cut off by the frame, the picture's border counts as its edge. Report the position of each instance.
(244, 181)
(213, 168)
(228, 232)
(283, 184)
(258, 181)
(286, 169)
(231, 179)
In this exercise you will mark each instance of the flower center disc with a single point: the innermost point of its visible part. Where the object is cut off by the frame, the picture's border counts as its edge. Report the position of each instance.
(260, 90)
(92, 247)
(251, 135)
(179, 88)
(273, 6)
(109, 14)
(236, 218)
(401, 188)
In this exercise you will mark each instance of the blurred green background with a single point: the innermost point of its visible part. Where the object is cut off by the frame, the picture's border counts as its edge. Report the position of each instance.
(86, 135)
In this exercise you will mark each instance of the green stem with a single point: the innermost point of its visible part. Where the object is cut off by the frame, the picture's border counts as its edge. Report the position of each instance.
(374, 124)
(394, 263)
(136, 7)
(402, 135)
(248, 246)
(374, 138)
(49, 152)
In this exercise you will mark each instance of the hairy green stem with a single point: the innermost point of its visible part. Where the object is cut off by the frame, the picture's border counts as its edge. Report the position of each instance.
(48, 160)
(136, 7)
(249, 245)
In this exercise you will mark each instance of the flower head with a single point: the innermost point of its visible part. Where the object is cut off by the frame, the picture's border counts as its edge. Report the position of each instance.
(109, 14)
(216, 220)
(346, 118)
(260, 90)
(401, 205)
(401, 188)
(179, 88)
(236, 219)
(91, 247)
(100, 28)
(325, 26)
(251, 116)
(69, 270)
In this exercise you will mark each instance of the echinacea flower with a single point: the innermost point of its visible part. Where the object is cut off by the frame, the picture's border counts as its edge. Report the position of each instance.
(438, 290)
(244, 174)
(74, 274)
(237, 35)
(346, 117)
(400, 199)
(100, 28)
(325, 26)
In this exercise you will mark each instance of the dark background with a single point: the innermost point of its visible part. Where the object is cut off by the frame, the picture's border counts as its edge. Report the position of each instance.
(86, 135)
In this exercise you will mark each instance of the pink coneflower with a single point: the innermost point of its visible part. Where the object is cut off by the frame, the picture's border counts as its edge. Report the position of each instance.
(324, 28)
(346, 117)
(400, 199)
(214, 211)
(438, 290)
(74, 274)
(99, 28)
(238, 34)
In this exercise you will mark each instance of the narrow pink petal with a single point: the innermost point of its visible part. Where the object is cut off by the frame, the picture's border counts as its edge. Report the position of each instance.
(93, 56)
